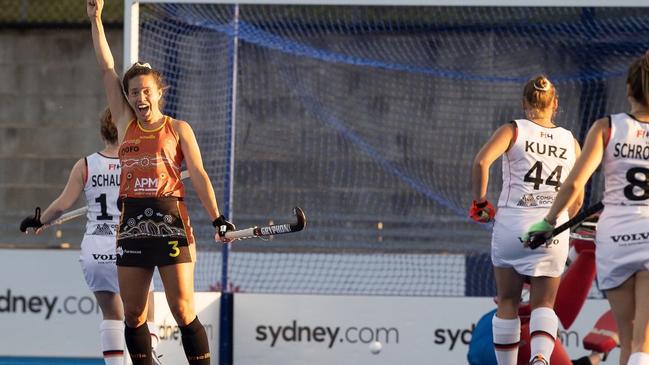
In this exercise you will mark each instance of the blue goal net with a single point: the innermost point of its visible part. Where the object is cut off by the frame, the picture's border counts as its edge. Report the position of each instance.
(369, 118)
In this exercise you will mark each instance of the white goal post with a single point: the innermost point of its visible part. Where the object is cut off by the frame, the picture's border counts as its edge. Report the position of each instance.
(132, 13)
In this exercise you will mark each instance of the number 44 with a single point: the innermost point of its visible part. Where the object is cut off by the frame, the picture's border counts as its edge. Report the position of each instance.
(535, 172)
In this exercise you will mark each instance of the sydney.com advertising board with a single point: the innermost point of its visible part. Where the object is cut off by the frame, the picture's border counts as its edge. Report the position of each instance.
(46, 309)
(314, 330)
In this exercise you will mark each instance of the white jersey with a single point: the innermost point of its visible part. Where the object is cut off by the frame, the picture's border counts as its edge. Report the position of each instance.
(536, 165)
(626, 162)
(102, 191)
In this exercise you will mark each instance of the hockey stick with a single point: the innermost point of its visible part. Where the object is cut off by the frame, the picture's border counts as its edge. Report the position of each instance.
(83, 210)
(537, 240)
(268, 231)
(69, 216)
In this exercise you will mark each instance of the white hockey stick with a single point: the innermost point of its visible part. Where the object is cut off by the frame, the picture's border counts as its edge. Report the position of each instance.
(82, 211)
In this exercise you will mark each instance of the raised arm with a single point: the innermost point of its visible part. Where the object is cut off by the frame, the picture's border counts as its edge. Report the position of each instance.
(117, 103)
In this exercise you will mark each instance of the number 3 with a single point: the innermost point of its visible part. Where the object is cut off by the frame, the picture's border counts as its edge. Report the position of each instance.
(174, 249)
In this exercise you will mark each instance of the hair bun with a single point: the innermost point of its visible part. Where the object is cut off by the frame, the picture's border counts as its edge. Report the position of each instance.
(542, 84)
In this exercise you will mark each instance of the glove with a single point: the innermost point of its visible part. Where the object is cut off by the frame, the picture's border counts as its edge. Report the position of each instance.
(538, 234)
(222, 225)
(32, 222)
(482, 212)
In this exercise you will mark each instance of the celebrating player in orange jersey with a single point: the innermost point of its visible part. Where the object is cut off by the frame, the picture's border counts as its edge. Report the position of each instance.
(537, 155)
(621, 143)
(154, 228)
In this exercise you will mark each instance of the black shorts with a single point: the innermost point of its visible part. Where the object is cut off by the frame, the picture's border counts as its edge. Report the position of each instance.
(153, 232)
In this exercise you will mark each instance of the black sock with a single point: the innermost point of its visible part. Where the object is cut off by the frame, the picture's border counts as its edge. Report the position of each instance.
(195, 343)
(138, 342)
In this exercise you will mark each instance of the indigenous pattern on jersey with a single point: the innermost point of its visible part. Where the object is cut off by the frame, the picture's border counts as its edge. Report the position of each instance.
(535, 165)
(151, 161)
(153, 232)
(101, 190)
(626, 162)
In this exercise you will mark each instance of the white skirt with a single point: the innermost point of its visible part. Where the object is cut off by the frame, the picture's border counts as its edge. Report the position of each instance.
(507, 248)
(98, 255)
(622, 244)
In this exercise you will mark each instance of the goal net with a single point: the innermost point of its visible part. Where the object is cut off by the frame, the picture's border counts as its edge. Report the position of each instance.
(369, 118)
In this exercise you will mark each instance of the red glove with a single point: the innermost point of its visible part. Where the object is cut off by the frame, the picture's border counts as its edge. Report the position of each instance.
(482, 212)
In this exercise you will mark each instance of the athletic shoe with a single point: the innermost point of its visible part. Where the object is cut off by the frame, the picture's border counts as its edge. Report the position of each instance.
(538, 359)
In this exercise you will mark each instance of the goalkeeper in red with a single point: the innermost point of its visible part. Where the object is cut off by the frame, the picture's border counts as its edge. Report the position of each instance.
(537, 156)
(619, 142)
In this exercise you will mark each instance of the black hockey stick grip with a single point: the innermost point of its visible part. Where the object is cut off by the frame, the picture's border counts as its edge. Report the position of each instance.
(537, 240)
(579, 218)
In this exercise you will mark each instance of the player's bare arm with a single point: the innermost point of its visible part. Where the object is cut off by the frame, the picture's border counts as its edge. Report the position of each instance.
(574, 208)
(197, 174)
(69, 195)
(585, 166)
(117, 103)
(494, 148)
(200, 179)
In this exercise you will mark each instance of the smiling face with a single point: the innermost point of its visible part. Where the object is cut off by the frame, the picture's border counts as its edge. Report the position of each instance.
(144, 91)
(144, 96)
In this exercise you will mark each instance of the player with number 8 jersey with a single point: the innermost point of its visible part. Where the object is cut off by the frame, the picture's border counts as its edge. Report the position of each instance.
(623, 249)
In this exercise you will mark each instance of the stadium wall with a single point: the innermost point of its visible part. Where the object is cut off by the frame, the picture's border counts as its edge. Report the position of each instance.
(50, 96)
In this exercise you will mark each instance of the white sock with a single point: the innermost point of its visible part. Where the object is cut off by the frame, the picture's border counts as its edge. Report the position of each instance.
(638, 358)
(112, 341)
(155, 334)
(507, 336)
(544, 324)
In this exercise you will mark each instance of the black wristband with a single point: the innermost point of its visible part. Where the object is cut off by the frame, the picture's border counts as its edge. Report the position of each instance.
(221, 220)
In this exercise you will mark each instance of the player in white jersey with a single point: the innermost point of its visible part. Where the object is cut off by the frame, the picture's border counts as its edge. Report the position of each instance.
(97, 176)
(621, 143)
(537, 156)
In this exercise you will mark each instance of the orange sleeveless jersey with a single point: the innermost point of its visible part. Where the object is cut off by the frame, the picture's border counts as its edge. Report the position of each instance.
(151, 161)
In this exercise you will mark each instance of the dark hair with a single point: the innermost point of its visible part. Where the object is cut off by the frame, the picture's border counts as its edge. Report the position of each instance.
(138, 69)
(638, 79)
(108, 129)
(539, 93)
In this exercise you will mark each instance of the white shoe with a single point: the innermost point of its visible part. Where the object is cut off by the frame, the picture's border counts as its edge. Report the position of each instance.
(538, 360)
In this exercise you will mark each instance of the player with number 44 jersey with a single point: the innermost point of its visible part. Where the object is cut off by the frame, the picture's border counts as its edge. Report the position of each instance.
(536, 157)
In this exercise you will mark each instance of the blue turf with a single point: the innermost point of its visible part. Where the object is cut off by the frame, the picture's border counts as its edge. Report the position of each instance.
(48, 361)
